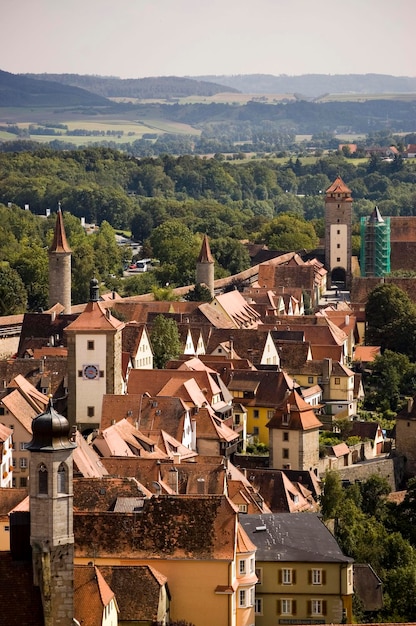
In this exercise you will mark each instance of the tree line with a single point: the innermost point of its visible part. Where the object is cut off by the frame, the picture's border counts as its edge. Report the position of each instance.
(168, 203)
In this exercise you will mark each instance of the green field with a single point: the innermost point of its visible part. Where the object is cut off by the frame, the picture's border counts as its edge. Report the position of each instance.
(129, 129)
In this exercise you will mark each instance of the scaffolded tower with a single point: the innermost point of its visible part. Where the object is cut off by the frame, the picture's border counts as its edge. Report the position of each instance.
(375, 245)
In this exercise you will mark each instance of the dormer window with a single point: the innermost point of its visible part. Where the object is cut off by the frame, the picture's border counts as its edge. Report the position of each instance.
(285, 418)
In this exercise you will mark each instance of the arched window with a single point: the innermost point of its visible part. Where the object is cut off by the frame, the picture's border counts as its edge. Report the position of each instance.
(43, 479)
(62, 479)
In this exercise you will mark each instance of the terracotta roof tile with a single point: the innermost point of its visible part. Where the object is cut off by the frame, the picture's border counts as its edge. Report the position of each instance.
(20, 600)
(91, 595)
(200, 527)
(125, 581)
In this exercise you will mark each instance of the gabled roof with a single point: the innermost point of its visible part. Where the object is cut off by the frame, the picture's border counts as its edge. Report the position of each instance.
(95, 317)
(20, 408)
(247, 343)
(10, 497)
(365, 430)
(238, 310)
(216, 317)
(123, 439)
(366, 354)
(91, 595)
(86, 460)
(171, 382)
(210, 427)
(292, 538)
(338, 186)
(280, 494)
(169, 445)
(268, 387)
(133, 333)
(200, 527)
(125, 581)
(340, 449)
(100, 494)
(37, 399)
(301, 414)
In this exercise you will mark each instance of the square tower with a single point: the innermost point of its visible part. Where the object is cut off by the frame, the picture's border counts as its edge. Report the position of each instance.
(338, 222)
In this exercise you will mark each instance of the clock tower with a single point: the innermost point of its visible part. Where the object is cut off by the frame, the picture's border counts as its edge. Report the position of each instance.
(338, 222)
(94, 362)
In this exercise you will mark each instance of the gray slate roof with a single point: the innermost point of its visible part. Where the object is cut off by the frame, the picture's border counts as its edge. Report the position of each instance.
(292, 537)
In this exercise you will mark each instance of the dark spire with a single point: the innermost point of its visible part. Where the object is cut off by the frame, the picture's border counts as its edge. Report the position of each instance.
(50, 432)
(59, 243)
(94, 290)
(205, 255)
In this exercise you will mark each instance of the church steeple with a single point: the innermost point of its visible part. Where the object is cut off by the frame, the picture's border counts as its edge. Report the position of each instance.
(205, 266)
(60, 267)
(51, 515)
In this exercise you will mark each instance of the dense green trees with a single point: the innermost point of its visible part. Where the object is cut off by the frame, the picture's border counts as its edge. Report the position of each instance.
(264, 200)
(370, 531)
(288, 232)
(391, 320)
(392, 377)
(165, 340)
(13, 296)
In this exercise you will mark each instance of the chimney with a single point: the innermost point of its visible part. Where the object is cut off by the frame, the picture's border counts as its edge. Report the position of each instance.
(409, 405)
(173, 479)
(176, 458)
(347, 320)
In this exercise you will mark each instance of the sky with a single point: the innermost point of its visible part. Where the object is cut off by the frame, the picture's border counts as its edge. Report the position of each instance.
(139, 38)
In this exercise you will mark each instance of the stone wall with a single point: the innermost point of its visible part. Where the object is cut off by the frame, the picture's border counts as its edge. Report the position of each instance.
(392, 469)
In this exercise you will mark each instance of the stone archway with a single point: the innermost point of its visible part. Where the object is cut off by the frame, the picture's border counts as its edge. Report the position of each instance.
(339, 277)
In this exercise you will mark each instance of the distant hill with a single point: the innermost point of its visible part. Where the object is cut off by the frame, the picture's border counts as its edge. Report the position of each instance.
(315, 85)
(19, 91)
(162, 87)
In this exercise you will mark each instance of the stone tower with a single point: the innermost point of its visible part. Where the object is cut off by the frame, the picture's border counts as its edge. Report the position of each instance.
(338, 222)
(205, 267)
(94, 361)
(51, 515)
(60, 267)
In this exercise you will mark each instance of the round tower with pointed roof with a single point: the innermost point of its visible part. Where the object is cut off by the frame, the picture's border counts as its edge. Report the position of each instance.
(51, 515)
(60, 267)
(338, 223)
(205, 266)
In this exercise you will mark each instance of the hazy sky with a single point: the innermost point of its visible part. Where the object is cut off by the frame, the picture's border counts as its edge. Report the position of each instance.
(136, 38)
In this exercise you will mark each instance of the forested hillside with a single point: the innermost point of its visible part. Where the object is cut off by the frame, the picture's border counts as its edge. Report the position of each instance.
(23, 91)
(164, 87)
(315, 85)
(168, 203)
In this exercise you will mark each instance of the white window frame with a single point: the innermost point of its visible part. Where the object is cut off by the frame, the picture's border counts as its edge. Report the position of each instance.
(287, 576)
(23, 462)
(242, 566)
(259, 574)
(316, 577)
(258, 606)
(242, 598)
(286, 606)
(316, 607)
